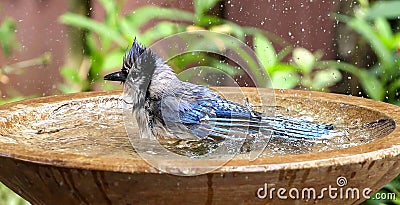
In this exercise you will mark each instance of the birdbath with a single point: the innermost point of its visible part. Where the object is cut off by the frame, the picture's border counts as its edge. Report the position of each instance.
(73, 149)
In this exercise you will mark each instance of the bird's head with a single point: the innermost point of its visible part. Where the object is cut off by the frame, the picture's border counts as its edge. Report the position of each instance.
(137, 63)
(140, 68)
(136, 73)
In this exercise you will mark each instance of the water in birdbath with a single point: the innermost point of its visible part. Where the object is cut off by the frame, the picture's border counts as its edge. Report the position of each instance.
(94, 127)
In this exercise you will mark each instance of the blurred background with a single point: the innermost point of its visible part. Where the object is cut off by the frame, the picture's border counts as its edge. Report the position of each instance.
(342, 46)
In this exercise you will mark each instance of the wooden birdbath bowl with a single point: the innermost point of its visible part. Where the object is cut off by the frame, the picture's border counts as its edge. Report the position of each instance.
(73, 149)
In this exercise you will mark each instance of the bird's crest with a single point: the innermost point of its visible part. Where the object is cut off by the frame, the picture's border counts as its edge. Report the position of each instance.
(130, 59)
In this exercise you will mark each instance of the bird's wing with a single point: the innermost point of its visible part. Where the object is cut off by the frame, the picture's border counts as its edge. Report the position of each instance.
(211, 116)
(188, 113)
(227, 115)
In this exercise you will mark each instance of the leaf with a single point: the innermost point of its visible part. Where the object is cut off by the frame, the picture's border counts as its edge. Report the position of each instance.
(326, 78)
(225, 67)
(128, 31)
(113, 60)
(96, 55)
(363, 28)
(237, 30)
(70, 74)
(97, 62)
(223, 28)
(264, 51)
(185, 60)
(371, 85)
(110, 20)
(142, 15)
(109, 6)
(99, 28)
(386, 9)
(284, 52)
(282, 67)
(384, 30)
(251, 63)
(6, 195)
(285, 79)
(202, 6)
(208, 20)
(67, 88)
(339, 65)
(7, 36)
(161, 30)
(396, 44)
(304, 59)
(112, 11)
(13, 99)
(109, 86)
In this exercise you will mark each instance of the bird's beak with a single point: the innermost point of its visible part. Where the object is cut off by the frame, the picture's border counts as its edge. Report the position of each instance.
(117, 76)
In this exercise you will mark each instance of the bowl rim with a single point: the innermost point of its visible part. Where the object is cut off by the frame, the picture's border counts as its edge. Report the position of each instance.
(387, 147)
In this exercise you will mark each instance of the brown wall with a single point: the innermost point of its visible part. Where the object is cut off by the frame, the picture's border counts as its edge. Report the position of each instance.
(39, 31)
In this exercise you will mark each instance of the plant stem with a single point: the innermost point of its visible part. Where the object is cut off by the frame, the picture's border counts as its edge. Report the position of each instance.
(76, 45)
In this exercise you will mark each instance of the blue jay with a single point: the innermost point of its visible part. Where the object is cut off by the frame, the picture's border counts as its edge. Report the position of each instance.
(165, 106)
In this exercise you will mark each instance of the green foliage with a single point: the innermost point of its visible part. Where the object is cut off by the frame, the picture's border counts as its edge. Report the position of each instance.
(8, 196)
(385, 9)
(7, 36)
(387, 193)
(305, 69)
(382, 82)
(108, 39)
(101, 29)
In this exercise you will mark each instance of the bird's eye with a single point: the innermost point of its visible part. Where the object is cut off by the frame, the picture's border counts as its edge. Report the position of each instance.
(125, 71)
